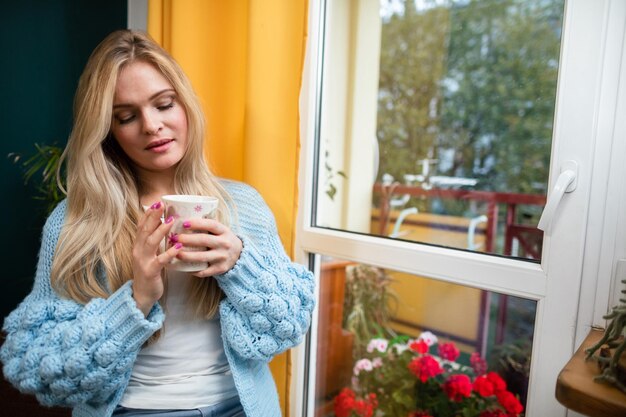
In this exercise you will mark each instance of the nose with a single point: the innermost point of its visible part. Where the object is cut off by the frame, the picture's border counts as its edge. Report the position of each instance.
(152, 123)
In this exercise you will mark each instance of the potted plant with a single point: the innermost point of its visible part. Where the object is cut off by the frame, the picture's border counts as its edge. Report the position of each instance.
(46, 159)
(610, 348)
(422, 378)
(368, 305)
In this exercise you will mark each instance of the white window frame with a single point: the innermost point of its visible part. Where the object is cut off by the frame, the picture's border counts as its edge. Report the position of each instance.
(595, 242)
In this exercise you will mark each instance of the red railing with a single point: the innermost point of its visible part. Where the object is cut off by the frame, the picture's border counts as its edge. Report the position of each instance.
(529, 237)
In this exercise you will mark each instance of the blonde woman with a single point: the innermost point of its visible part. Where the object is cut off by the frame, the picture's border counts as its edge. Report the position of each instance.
(105, 330)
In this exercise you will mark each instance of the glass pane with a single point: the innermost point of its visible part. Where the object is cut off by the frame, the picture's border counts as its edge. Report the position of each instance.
(436, 120)
(371, 322)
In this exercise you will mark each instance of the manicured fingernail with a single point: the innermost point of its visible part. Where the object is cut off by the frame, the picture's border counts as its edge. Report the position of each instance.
(169, 219)
(156, 205)
(187, 224)
(178, 245)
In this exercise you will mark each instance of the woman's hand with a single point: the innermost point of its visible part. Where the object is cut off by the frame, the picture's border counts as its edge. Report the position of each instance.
(224, 247)
(147, 261)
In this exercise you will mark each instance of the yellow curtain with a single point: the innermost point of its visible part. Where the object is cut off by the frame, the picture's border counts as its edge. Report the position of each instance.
(245, 59)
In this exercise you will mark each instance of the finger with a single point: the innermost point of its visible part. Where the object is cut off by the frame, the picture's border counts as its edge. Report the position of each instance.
(202, 240)
(154, 216)
(156, 237)
(217, 260)
(213, 269)
(150, 220)
(167, 256)
(199, 256)
(205, 225)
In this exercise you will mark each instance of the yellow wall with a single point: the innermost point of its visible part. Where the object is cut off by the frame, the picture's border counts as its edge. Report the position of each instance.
(434, 304)
(451, 308)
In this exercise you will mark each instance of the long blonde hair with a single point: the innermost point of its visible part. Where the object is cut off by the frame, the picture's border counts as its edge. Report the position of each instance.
(103, 190)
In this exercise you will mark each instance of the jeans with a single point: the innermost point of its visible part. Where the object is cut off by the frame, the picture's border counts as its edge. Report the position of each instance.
(228, 408)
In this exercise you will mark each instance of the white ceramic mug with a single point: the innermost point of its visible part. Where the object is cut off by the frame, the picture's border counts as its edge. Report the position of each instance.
(182, 208)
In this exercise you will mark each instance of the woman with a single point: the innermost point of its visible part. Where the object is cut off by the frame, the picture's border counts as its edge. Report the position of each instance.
(106, 330)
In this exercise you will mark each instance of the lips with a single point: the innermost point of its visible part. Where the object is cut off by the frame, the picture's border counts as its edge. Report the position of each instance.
(158, 143)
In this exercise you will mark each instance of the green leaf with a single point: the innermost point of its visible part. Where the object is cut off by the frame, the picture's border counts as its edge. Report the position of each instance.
(45, 160)
(331, 191)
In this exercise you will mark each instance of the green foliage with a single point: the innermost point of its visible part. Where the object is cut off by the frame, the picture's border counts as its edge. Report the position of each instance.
(368, 305)
(329, 176)
(44, 161)
(512, 357)
(476, 81)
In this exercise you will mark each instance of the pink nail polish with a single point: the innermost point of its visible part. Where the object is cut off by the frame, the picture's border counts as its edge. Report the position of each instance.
(178, 245)
(156, 205)
(187, 224)
(169, 219)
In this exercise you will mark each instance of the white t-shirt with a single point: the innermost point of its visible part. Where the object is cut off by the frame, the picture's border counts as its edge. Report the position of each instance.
(186, 367)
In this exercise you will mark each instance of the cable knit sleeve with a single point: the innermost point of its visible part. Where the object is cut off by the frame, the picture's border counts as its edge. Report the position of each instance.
(269, 299)
(67, 353)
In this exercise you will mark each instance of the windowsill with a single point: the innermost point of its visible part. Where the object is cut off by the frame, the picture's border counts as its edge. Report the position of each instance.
(576, 389)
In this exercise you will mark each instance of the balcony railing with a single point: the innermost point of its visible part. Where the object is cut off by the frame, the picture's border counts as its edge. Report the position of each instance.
(528, 237)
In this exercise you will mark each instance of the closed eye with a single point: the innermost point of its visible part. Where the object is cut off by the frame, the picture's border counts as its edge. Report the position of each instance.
(167, 106)
(124, 120)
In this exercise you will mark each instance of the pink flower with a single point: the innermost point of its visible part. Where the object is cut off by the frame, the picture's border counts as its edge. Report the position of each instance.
(377, 344)
(428, 337)
(362, 365)
(425, 367)
(458, 387)
(198, 208)
(449, 351)
(377, 362)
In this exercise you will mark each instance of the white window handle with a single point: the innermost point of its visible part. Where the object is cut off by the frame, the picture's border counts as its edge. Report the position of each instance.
(566, 183)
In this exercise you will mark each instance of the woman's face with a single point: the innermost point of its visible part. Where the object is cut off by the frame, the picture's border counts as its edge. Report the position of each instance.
(149, 123)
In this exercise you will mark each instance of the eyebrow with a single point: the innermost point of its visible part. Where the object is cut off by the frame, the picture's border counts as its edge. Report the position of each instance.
(152, 97)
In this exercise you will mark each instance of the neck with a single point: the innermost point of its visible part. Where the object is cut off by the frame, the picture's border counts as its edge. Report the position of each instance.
(154, 185)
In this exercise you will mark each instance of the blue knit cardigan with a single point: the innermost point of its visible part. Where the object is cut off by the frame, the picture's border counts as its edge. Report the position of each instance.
(81, 356)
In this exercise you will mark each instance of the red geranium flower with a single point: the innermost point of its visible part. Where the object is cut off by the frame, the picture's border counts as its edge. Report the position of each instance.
(483, 386)
(449, 351)
(479, 365)
(425, 367)
(346, 402)
(510, 402)
(458, 387)
(437, 385)
(418, 346)
(497, 381)
(365, 408)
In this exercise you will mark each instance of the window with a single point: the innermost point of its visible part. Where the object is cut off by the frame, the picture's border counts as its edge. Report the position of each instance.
(456, 235)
